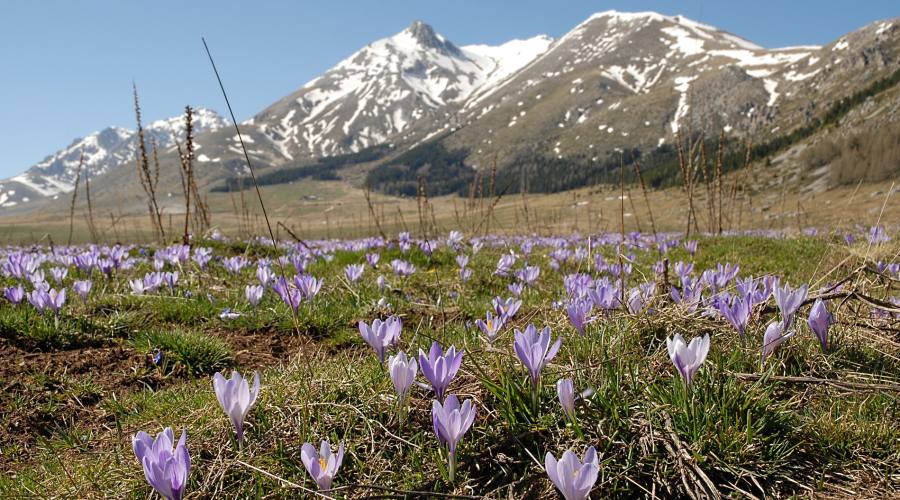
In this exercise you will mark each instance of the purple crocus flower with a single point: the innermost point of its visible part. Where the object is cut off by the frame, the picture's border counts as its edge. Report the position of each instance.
(14, 294)
(573, 477)
(38, 299)
(288, 293)
(170, 279)
(820, 321)
(308, 286)
(439, 367)
(323, 465)
(534, 350)
(691, 247)
(747, 287)
(528, 274)
(82, 288)
(465, 274)
(565, 389)
(789, 300)
(372, 259)
(490, 326)
(683, 270)
(688, 358)
(516, 289)
(604, 296)
(451, 421)
(166, 464)
(773, 337)
(877, 235)
(36, 277)
(690, 294)
(265, 275)
(234, 264)
(402, 268)
(54, 300)
(403, 372)
(506, 309)
(718, 278)
(504, 265)
(658, 267)
(636, 301)
(236, 398)
(254, 294)
(736, 311)
(59, 274)
(454, 239)
(137, 286)
(462, 260)
(202, 256)
(354, 271)
(579, 313)
(381, 335)
(152, 281)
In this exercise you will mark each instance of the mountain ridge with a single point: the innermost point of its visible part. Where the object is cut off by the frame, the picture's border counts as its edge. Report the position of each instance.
(616, 81)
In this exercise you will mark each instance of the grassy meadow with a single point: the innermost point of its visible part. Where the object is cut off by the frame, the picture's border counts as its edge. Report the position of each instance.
(79, 384)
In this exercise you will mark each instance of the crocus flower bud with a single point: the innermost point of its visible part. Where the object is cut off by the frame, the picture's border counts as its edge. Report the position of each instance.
(403, 373)
(236, 398)
(820, 321)
(566, 391)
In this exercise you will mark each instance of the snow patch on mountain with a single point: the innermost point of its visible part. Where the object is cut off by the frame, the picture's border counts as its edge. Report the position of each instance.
(102, 151)
(387, 88)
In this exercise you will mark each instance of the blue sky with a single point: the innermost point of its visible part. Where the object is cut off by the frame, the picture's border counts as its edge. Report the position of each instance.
(67, 66)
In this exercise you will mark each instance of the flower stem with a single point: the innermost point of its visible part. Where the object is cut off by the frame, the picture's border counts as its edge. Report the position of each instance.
(452, 470)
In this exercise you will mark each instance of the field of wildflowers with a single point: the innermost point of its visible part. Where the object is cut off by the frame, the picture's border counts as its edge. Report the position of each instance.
(610, 365)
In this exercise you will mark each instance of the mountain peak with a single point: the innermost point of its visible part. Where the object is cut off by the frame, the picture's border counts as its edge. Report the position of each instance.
(422, 32)
(423, 35)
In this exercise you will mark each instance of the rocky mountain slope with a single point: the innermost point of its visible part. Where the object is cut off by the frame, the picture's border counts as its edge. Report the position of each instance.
(621, 81)
(104, 151)
(616, 82)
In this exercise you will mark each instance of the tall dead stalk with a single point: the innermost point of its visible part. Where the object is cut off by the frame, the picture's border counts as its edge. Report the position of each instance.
(637, 170)
(187, 169)
(148, 177)
(90, 215)
(75, 196)
(719, 179)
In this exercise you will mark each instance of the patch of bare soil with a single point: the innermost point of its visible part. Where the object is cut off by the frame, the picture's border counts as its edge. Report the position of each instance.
(42, 393)
(260, 349)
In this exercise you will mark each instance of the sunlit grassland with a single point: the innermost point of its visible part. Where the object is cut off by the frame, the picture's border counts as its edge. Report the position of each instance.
(745, 425)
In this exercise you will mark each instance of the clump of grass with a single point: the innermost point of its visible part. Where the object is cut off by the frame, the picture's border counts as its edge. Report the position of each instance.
(35, 331)
(194, 352)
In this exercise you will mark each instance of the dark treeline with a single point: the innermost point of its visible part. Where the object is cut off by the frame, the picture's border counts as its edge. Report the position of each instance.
(443, 171)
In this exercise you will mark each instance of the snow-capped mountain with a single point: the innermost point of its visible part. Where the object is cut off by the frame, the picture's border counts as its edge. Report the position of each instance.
(108, 149)
(414, 79)
(622, 79)
(617, 81)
